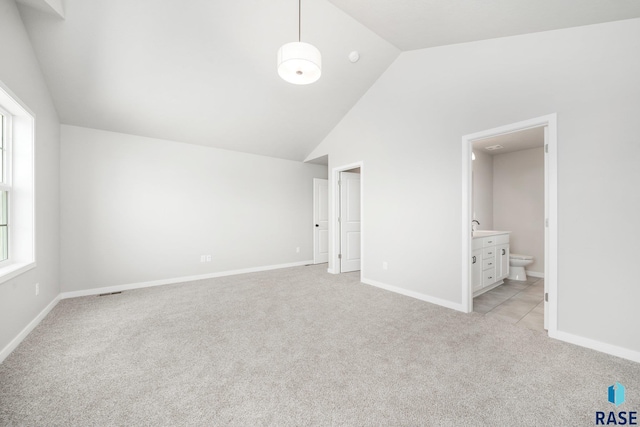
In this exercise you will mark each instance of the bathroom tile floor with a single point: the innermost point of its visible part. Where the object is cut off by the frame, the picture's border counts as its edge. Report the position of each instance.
(516, 302)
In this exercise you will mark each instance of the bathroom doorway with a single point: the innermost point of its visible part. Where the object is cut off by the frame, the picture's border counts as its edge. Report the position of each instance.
(525, 205)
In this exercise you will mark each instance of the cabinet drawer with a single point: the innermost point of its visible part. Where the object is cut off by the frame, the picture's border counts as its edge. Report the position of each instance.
(488, 276)
(488, 263)
(489, 252)
(499, 239)
(489, 241)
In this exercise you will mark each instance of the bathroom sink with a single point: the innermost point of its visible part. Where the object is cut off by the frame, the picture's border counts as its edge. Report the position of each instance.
(485, 233)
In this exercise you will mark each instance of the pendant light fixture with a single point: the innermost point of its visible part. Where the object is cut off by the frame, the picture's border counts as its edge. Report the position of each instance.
(299, 63)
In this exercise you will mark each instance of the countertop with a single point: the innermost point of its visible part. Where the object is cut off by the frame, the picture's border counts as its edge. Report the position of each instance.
(486, 233)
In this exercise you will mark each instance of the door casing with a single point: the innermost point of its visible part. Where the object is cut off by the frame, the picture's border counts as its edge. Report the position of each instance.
(551, 212)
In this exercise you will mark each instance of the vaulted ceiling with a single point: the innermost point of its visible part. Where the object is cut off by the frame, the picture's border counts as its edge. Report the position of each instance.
(204, 71)
(418, 24)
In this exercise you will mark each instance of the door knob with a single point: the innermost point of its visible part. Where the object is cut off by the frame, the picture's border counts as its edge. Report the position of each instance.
(317, 225)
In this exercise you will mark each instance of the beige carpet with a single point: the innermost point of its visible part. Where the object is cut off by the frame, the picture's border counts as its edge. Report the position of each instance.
(296, 347)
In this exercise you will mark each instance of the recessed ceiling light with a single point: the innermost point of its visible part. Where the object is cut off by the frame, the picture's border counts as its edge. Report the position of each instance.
(494, 147)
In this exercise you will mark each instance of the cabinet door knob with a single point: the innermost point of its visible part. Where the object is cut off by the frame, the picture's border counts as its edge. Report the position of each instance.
(474, 259)
(504, 252)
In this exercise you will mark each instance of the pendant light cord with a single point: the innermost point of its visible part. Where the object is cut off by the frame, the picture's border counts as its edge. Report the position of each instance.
(299, 18)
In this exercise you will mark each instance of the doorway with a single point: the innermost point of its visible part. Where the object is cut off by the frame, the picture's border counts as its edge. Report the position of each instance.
(347, 218)
(320, 221)
(547, 126)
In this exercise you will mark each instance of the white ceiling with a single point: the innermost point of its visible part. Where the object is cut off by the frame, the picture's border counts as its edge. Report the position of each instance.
(515, 141)
(204, 71)
(417, 24)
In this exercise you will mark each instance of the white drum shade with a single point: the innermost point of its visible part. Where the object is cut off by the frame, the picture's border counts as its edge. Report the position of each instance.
(299, 63)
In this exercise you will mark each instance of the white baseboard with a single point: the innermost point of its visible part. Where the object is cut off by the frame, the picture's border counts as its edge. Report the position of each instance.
(139, 285)
(27, 330)
(417, 295)
(534, 274)
(602, 347)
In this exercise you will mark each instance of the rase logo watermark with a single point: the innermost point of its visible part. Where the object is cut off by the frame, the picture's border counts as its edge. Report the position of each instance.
(616, 395)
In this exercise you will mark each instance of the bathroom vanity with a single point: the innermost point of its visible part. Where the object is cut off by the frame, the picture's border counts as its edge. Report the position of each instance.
(489, 260)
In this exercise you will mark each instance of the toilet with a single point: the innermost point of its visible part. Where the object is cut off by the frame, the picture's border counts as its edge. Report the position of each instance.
(517, 263)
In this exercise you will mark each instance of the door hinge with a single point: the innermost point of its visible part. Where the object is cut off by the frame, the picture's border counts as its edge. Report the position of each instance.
(546, 148)
(546, 297)
(339, 256)
(546, 222)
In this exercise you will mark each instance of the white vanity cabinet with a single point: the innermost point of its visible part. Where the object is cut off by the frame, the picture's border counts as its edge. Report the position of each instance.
(502, 256)
(489, 260)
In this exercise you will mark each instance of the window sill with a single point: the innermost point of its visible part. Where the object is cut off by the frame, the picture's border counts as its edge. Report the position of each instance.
(12, 270)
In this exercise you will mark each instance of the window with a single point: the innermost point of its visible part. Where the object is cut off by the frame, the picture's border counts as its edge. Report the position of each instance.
(17, 186)
(5, 183)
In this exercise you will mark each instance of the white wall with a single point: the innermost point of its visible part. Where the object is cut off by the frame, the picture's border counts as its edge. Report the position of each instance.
(407, 130)
(483, 190)
(518, 202)
(20, 73)
(137, 209)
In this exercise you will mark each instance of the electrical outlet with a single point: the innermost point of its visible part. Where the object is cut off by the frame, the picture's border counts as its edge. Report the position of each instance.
(37, 289)
(385, 265)
(203, 258)
(297, 250)
(208, 258)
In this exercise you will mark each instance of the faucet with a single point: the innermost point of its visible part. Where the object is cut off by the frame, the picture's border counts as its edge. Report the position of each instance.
(473, 225)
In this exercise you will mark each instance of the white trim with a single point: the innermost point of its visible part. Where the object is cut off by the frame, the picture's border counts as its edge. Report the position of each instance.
(316, 184)
(140, 285)
(551, 231)
(22, 250)
(534, 274)
(600, 346)
(334, 213)
(467, 227)
(551, 207)
(27, 330)
(416, 295)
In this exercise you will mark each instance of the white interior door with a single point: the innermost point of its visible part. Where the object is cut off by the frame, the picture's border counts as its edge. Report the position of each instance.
(546, 228)
(349, 222)
(320, 221)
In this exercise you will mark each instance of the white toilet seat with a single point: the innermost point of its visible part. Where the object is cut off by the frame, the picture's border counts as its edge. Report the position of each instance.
(520, 256)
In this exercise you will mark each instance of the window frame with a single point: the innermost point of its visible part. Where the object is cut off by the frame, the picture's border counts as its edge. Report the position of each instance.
(19, 175)
(6, 177)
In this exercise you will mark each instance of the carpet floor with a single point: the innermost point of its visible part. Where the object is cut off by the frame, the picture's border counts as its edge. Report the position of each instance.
(297, 347)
